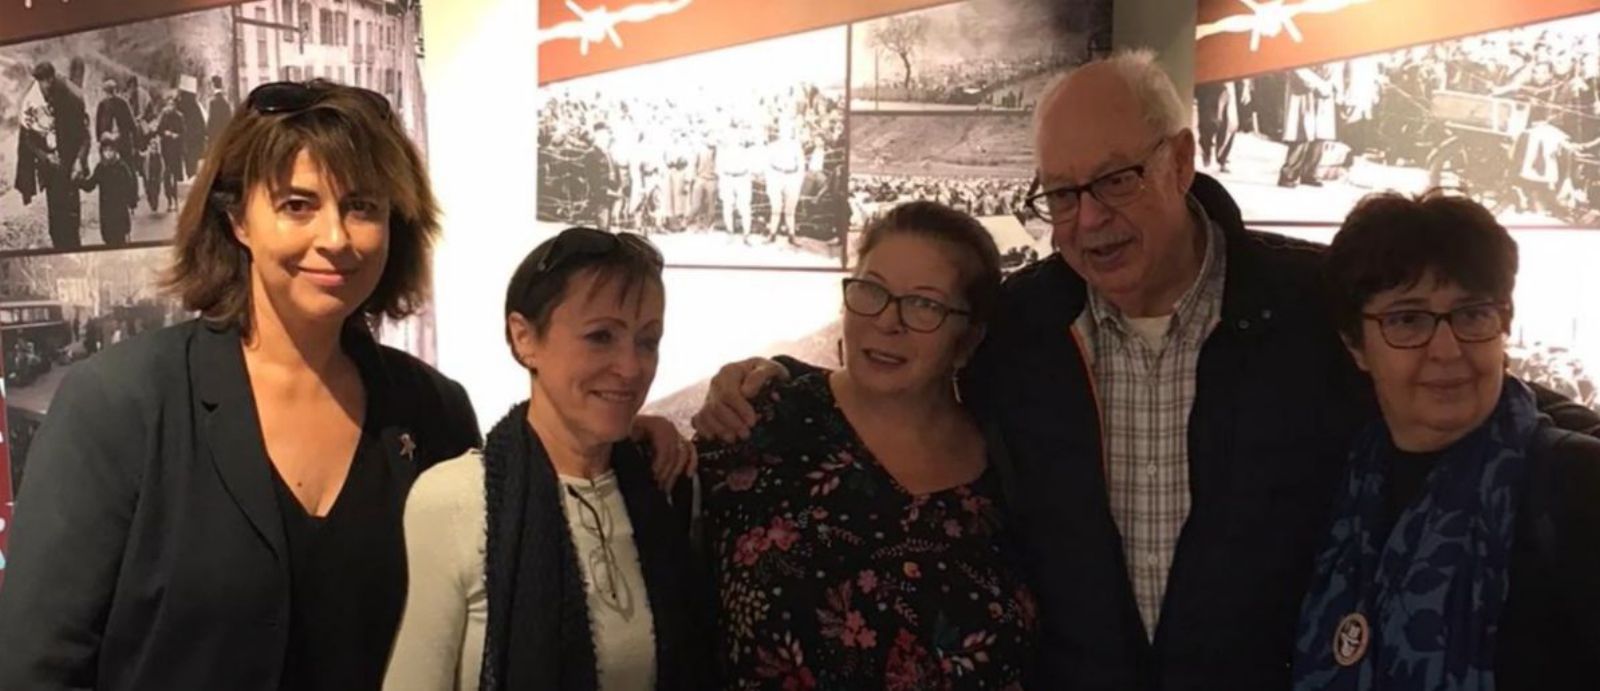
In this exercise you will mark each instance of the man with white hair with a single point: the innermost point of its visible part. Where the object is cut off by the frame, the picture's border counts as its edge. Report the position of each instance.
(1172, 399)
(1166, 403)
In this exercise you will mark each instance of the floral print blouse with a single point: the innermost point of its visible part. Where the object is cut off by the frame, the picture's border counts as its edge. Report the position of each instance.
(830, 575)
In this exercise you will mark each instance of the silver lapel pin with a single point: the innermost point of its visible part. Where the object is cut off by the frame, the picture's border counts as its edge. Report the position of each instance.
(408, 446)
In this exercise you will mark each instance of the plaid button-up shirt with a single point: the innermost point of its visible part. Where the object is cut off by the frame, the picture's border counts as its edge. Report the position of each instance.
(1146, 389)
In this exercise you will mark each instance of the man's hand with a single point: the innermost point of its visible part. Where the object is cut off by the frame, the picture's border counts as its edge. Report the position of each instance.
(727, 415)
(672, 455)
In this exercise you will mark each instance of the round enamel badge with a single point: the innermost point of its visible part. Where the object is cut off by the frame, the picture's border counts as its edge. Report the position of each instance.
(1350, 639)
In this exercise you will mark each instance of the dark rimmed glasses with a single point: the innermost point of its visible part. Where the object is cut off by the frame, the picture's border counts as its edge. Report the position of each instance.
(275, 98)
(1407, 329)
(917, 313)
(1116, 188)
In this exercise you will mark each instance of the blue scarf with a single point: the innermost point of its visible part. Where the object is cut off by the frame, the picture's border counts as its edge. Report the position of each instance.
(1431, 591)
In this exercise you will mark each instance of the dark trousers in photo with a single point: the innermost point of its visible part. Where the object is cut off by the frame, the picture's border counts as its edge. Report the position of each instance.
(64, 206)
(1300, 164)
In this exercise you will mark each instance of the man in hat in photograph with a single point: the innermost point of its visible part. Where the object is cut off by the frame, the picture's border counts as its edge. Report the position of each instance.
(57, 149)
(220, 112)
(194, 125)
(114, 116)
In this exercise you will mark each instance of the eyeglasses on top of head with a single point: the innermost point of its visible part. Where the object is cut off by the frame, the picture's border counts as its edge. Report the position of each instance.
(275, 98)
(917, 313)
(1414, 328)
(1116, 188)
(582, 241)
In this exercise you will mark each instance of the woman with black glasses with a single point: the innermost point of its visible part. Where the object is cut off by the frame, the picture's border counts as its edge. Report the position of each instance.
(216, 504)
(551, 560)
(1464, 551)
(857, 532)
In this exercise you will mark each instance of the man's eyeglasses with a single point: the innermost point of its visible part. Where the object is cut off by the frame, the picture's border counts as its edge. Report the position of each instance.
(1116, 188)
(293, 97)
(917, 313)
(1407, 329)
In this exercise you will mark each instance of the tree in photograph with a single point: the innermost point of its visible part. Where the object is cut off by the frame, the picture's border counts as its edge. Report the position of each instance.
(902, 36)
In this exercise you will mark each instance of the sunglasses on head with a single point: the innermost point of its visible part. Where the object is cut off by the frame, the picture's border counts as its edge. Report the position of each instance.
(293, 97)
(590, 242)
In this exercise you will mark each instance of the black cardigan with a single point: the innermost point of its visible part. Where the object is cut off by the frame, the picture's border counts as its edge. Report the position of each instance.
(1277, 402)
(147, 548)
(1550, 629)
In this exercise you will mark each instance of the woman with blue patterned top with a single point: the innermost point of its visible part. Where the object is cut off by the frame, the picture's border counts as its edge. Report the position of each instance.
(1464, 551)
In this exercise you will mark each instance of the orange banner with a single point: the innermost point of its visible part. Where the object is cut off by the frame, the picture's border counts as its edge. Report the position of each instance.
(583, 37)
(28, 20)
(1240, 38)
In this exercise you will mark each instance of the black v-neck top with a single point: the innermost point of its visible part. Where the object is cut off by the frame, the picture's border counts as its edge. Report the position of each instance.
(347, 580)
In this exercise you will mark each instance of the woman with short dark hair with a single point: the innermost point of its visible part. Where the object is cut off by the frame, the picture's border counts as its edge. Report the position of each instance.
(217, 504)
(550, 560)
(1465, 547)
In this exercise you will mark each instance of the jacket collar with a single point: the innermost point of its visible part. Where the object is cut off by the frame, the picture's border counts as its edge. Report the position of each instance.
(230, 425)
(1252, 294)
(231, 430)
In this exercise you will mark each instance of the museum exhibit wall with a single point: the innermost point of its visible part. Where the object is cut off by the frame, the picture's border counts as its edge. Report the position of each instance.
(709, 71)
(875, 102)
(94, 161)
(1499, 101)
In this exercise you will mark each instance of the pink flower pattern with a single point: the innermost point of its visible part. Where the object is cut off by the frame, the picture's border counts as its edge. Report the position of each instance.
(832, 576)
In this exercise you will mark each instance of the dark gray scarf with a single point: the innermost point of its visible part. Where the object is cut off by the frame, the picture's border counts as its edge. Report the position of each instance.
(538, 635)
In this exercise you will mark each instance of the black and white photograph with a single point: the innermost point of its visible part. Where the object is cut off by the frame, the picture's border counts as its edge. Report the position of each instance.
(975, 55)
(731, 158)
(373, 44)
(101, 132)
(1512, 117)
(795, 313)
(980, 163)
(58, 309)
(820, 347)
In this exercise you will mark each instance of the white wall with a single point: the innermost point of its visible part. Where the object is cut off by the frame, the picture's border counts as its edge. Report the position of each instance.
(480, 77)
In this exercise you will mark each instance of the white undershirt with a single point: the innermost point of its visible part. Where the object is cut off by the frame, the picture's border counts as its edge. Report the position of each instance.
(624, 640)
(1152, 330)
(440, 644)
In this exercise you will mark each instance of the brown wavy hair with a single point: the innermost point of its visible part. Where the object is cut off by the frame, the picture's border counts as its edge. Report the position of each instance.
(358, 142)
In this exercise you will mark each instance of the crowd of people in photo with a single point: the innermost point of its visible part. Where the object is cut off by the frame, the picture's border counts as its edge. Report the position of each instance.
(989, 82)
(1521, 105)
(1557, 368)
(759, 166)
(135, 132)
(873, 196)
(979, 195)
